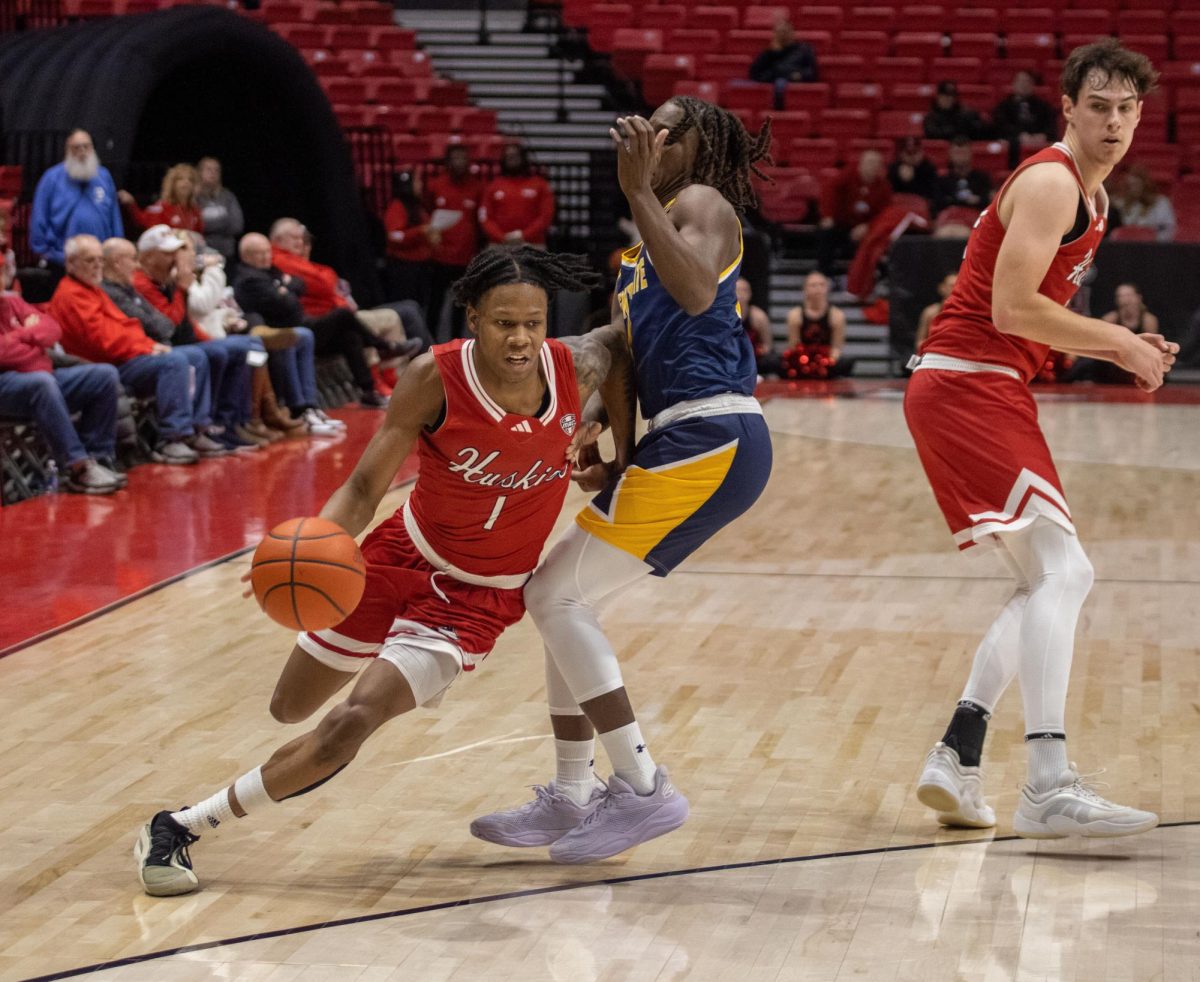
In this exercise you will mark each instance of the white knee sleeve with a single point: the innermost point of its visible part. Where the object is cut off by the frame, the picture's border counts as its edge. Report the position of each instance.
(558, 693)
(429, 665)
(998, 656)
(1060, 577)
(562, 595)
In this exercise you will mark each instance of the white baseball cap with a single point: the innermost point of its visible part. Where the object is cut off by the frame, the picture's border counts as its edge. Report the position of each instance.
(159, 238)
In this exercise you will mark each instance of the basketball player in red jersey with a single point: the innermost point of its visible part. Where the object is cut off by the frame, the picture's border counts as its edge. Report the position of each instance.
(492, 418)
(975, 426)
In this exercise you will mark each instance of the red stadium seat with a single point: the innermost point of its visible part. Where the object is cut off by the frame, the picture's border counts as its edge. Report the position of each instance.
(667, 17)
(889, 71)
(844, 124)
(394, 91)
(631, 45)
(685, 41)
(974, 20)
(917, 44)
(870, 19)
(809, 96)
(922, 19)
(853, 148)
(845, 68)
(1093, 22)
(859, 95)
(764, 18)
(303, 35)
(722, 19)
(787, 126)
(353, 116)
(603, 20)
(471, 119)
(1033, 47)
(1154, 46)
(395, 119)
(325, 65)
(724, 67)
(410, 149)
(956, 215)
(990, 156)
(895, 123)
(10, 180)
(748, 95)
(346, 91)
(445, 93)
(1186, 47)
(661, 72)
(748, 43)
(977, 96)
(392, 39)
(1035, 20)
(961, 70)
(981, 46)
(813, 154)
(1187, 100)
(912, 97)
(788, 200)
(1142, 22)
(287, 11)
(818, 17)
(867, 44)
(708, 91)
(355, 36)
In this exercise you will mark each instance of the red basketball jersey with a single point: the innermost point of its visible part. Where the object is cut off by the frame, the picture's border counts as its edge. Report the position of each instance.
(491, 483)
(964, 328)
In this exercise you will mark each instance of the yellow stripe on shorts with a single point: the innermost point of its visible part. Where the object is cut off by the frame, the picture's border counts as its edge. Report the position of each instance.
(648, 505)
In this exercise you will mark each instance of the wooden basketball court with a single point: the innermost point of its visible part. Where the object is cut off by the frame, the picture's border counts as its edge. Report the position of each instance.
(792, 676)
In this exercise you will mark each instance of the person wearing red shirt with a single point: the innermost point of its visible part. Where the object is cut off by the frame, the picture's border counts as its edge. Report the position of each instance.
(95, 329)
(30, 386)
(410, 241)
(848, 204)
(176, 205)
(518, 206)
(458, 189)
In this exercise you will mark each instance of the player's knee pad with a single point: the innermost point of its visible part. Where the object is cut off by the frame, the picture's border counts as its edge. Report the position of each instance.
(428, 664)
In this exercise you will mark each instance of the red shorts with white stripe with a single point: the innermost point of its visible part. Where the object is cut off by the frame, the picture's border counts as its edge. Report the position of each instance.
(978, 438)
(405, 595)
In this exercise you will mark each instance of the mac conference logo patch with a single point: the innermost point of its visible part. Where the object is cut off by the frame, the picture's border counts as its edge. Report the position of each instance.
(567, 422)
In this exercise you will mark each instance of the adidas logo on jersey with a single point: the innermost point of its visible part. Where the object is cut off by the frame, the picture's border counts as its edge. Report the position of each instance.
(522, 427)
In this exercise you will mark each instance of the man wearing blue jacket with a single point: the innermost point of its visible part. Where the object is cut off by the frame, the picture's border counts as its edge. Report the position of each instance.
(76, 197)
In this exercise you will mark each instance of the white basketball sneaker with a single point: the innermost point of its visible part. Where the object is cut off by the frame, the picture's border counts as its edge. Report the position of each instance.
(1074, 808)
(953, 791)
(540, 822)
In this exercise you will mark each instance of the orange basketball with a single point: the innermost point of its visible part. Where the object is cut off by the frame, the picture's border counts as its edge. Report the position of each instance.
(308, 574)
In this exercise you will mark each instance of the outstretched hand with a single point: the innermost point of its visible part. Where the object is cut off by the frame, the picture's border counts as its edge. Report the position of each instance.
(249, 591)
(638, 151)
(591, 471)
(1154, 368)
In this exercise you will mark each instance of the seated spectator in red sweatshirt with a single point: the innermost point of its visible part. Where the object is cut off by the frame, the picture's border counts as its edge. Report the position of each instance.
(518, 206)
(93, 328)
(176, 205)
(325, 291)
(848, 204)
(32, 387)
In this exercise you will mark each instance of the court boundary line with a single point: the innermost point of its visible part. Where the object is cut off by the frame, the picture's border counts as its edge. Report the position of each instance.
(531, 892)
(145, 591)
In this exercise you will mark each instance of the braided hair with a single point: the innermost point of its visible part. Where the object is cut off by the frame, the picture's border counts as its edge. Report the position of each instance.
(501, 266)
(728, 155)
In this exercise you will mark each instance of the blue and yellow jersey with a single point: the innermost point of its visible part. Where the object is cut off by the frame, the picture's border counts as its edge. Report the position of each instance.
(679, 357)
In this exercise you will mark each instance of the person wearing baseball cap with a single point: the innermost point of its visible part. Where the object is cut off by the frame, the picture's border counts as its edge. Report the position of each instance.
(948, 118)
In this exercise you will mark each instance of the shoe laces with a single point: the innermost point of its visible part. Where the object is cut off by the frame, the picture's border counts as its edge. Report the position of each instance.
(1085, 787)
(166, 841)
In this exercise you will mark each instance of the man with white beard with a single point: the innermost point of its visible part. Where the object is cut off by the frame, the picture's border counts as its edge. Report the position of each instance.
(76, 197)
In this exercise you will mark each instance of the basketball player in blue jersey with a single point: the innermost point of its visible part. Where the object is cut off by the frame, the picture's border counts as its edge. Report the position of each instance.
(705, 460)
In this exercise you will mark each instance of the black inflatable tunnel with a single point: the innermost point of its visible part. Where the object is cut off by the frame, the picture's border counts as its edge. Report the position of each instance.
(194, 81)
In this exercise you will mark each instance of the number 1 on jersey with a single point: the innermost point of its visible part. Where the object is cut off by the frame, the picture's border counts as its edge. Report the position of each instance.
(495, 513)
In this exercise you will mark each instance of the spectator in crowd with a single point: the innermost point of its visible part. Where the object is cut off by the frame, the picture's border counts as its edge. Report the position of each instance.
(848, 204)
(948, 118)
(456, 191)
(31, 386)
(962, 184)
(1130, 313)
(758, 330)
(930, 312)
(912, 172)
(1140, 203)
(167, 271)
(220, 210)
(8, 259)
(95, 329)
(176, 205)
(518, 206)
(120, 261)
(410, 241)
(816, 334)
(786, 60)
(76, 197)
(324, 291)
(274, 295)
(1024, 119)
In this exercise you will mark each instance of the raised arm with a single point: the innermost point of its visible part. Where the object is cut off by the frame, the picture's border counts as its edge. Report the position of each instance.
(604, 368)
(1038, 210)
(696, 241)
(416, 403)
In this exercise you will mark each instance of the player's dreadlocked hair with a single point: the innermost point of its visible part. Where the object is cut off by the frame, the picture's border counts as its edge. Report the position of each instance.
(728, 154)
(502, 265)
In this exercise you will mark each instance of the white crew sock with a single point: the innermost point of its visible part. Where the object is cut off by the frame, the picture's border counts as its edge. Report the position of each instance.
(575, 772)
(1047, 763)
(211, 812)
(630, 757)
